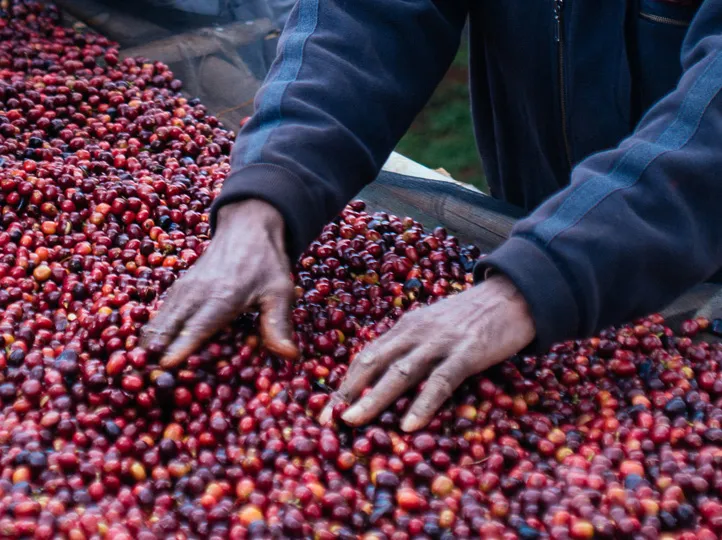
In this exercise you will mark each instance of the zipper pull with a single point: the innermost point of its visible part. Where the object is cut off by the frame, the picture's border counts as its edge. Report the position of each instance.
(558, 7)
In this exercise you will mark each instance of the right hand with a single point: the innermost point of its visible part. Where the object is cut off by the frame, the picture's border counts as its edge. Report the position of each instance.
(245, 267)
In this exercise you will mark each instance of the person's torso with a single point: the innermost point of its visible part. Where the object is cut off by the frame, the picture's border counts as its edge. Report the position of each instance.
(554, 81)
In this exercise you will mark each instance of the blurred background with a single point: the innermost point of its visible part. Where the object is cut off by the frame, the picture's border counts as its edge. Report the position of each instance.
(442, 135)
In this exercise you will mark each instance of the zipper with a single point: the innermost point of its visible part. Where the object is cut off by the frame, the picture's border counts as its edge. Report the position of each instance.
(559, 38)
(664, 20)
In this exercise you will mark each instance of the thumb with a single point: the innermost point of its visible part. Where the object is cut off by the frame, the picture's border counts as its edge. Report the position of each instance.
(276, 321)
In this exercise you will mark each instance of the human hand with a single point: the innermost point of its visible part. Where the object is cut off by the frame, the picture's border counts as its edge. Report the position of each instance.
(244, 267)
(453, 339)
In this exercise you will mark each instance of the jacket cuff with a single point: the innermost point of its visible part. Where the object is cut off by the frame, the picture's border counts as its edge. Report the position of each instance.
(549, 295)
(280, 188)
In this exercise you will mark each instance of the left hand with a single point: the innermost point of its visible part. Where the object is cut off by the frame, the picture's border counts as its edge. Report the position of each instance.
(453, 339)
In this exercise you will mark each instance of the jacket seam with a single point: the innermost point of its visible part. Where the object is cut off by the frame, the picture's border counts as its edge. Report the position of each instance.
(270, 112)
(539, 228)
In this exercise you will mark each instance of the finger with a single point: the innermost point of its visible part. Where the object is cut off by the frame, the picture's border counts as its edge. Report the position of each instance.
(438, 388)
(202, 325)
(366, 367)
(401, 376)
(327, 413)
(180, 303)
(276, 322)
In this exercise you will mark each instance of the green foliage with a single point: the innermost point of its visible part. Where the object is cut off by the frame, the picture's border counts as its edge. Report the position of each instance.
(442, 134)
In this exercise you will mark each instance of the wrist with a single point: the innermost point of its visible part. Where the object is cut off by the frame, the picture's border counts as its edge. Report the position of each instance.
(499, 298)
(249, 212)
(499, 285)
(252, 222)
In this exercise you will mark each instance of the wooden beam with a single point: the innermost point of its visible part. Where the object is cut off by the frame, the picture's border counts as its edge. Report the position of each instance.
(472, 216)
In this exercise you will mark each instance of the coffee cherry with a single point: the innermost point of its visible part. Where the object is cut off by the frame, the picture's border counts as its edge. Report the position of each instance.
(107, 175)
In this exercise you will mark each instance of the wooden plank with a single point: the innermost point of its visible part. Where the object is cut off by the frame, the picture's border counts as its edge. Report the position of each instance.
(472, 216)
(202, 42)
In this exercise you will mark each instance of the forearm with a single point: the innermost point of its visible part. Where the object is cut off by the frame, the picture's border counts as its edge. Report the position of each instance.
(348, 81)
(640, 223)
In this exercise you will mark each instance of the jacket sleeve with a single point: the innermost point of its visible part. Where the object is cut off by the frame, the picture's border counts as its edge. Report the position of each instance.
(349, 78)
(640, 223)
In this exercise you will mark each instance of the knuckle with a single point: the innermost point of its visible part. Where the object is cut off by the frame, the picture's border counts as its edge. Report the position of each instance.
(402, 369)
(153, 330)
(470, 365)
(356, 371)
(280, 288)
(149, 330)
(194, 329)
(440, 384)
(431, 349)
(222, 295)
(279, 281)
(210, 321)
(366, 359)
(347, 393)
(468, 357)
(273, 325)
(342, 395)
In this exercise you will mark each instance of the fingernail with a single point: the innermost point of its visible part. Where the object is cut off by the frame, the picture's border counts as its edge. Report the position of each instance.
(167, 361)
(288, 350)
(410, 422)
(325, 416)
(352, 413)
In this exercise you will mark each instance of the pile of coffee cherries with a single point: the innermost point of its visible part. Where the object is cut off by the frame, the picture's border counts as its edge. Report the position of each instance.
(106, 176)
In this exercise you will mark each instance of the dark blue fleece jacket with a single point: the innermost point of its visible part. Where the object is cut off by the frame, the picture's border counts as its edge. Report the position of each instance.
(605, 116)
